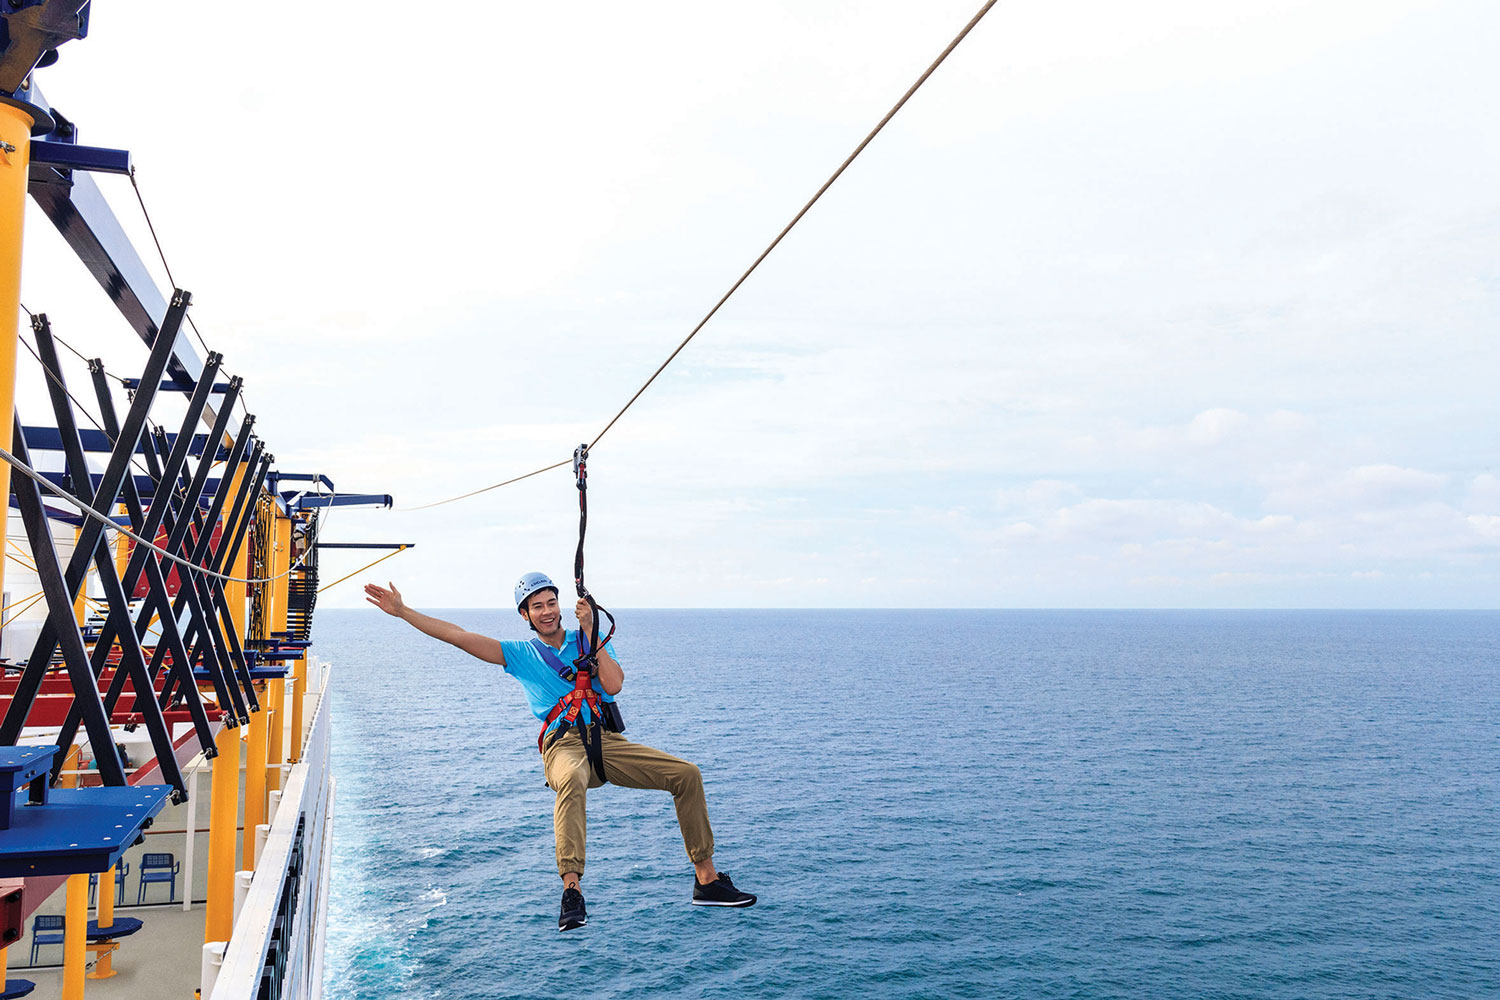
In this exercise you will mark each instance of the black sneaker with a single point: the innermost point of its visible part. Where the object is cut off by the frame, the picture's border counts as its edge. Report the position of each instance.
(720, 892)
(573, 914)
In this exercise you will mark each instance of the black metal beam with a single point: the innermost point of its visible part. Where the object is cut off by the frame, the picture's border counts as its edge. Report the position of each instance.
(212, 589)
(65, 629)
(366, 545)
(178, 543)
(110, 483)
(132, 660)
(80, 212)
(225, 686)
(157, 600)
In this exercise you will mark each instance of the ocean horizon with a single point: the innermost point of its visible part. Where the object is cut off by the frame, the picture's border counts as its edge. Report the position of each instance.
(957, 803)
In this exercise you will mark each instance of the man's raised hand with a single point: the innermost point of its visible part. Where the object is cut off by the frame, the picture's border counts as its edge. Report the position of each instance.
(585, 615)
(388, 601)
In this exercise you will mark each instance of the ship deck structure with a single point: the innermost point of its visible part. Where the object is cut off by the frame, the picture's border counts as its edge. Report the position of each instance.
(166, 816)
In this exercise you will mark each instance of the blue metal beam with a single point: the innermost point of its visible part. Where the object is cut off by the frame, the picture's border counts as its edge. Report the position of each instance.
(67, 156)
(134, 383)
(97, 442)
(307, 501)
(300, 477)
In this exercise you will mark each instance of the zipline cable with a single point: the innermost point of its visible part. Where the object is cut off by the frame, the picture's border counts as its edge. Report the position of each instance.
(805, 208)
(486, 489)
(751, 269)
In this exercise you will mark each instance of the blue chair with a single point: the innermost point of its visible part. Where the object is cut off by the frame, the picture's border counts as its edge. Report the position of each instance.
(120, 872)
(38, 939)
(158, 868)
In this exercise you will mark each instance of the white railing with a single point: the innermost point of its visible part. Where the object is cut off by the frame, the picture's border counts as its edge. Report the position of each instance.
(306, 796)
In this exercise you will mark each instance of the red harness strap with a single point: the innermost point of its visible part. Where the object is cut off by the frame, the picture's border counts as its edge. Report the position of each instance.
(569, 705)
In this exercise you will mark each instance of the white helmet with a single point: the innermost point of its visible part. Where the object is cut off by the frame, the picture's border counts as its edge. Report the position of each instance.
(530, 584)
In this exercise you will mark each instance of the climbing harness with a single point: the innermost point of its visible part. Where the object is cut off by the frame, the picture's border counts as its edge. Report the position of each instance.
(602, 714)
(570, 708)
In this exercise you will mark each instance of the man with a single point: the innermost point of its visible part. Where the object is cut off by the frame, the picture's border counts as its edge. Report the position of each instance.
(543, 666)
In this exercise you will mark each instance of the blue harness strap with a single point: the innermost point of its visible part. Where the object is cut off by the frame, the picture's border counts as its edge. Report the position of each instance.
(549, 655)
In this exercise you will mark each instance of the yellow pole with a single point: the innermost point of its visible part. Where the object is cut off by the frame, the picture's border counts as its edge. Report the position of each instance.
(234, 593)
(4, 956)
(80, 603)
(281, 558)
(15, 159)
(275, 704)
(122, 550)
(224, 801)
(255, 779)
(75, 931)
(104, 967)
(70, 763)
(107, 899)
(299, 689)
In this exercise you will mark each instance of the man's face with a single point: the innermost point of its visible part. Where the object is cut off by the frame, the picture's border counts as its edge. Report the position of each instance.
(542, 611)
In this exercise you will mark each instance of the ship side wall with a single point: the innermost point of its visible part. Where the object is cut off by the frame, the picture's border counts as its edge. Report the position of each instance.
(278, 933)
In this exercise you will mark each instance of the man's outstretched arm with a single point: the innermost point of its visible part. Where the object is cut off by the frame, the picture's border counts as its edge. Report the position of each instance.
(482, 646)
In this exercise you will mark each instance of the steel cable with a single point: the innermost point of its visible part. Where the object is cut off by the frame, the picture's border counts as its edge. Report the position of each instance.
(757, 262)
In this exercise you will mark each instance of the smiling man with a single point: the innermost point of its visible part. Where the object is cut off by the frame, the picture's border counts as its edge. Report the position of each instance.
(547, 667)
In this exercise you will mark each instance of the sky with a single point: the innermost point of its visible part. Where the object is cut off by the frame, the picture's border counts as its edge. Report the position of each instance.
(1166, 304)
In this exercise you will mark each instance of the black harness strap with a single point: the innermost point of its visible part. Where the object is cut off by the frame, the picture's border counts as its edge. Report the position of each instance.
(593, 733)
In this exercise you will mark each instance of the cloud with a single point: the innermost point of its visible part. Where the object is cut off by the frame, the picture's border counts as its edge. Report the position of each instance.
(1304, 488)
(1483, 495)
(1215, 426)
(1196, 300)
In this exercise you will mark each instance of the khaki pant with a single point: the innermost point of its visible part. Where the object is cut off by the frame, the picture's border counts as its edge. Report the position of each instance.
(632, 765)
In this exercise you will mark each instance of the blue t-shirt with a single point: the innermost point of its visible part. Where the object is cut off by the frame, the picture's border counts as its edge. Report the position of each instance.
(544, 688)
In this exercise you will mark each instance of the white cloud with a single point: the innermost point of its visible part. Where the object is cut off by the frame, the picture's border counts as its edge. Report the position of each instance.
(1483, 494)
(1304, 487)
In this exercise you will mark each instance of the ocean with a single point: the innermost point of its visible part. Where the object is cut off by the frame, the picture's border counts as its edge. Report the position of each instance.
(1081, 804)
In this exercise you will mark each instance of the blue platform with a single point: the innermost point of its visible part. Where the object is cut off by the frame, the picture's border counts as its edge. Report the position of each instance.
(78, 830)
(122, 927)
(16, 988)
(256, 673)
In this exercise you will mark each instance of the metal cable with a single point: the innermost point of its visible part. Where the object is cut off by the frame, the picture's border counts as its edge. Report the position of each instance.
(81, 408)
(86, 360)
(153, 425)
(751, 269)
(798, 217)
(135, 186)
(486, 489)
(160, 252)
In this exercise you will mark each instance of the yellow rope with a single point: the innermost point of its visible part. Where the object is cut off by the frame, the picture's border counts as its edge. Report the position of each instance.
(21, 600)
(32, 601)
(364, 567)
